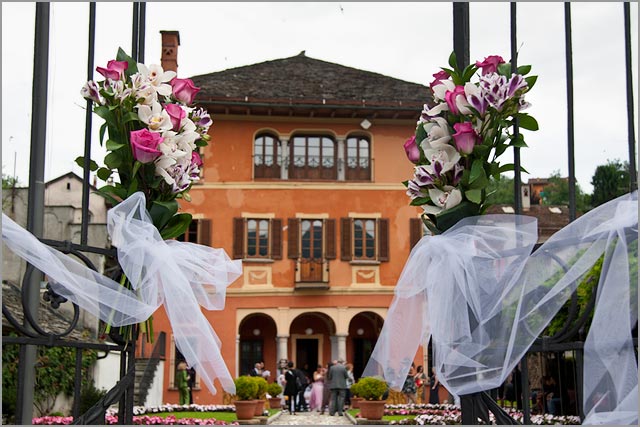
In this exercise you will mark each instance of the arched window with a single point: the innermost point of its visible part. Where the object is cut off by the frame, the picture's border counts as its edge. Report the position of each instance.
(313, 157)
(358, 159)
(267, 156)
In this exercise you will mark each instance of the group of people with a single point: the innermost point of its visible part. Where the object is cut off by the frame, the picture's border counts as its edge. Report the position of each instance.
(259, 371)
(329, 388)
(417, 381)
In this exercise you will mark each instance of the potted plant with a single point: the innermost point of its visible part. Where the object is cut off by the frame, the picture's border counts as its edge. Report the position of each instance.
(261, 395)
(274, 390)
(372, 390)
(246, 389)
(355, 395)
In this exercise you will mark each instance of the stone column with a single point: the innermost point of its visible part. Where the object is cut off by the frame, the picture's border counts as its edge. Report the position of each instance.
(342, 346)
(282, 346)
(237, 355)
(334, 347)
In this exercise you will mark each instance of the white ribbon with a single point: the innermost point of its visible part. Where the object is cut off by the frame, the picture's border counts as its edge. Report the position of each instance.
(182, 276)
(485, 298)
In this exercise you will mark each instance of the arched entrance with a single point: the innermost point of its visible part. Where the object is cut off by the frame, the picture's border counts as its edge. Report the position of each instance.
(257, 344)
(311, 341)
(364, 330)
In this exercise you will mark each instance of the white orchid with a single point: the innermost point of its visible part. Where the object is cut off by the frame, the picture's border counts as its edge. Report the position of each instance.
(437, 133)
(155, 117)
(443, 200)
(443, 158)
(171, 146)
(158, 78)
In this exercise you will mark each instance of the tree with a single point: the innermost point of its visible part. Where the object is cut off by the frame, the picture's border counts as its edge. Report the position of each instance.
(557, 193)
(501, 191)
(609, 181)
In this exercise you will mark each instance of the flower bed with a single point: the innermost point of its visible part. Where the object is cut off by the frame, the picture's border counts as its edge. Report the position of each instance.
(427, 414)
(142, 415)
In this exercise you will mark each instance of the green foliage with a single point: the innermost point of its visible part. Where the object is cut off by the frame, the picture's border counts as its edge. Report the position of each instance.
(89, 396)
(355, 389)
(500, 191)
(55, 374)
(609, 181)
(557, 193)
(371, 388)
(261, 387)
(274, 389)
(9, 181)
(246, 387)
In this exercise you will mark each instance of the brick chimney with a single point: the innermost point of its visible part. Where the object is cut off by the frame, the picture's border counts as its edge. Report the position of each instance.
(170, 43)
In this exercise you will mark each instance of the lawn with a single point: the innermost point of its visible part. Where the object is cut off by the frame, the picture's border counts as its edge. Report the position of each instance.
(218, 415)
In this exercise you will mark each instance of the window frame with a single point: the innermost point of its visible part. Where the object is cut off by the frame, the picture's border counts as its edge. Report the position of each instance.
(381, 240)
(241, 238)
(358, 172)
(306, 171)
(264, 171)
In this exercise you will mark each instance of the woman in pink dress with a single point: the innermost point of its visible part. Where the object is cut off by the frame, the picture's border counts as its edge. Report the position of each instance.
(317, 388)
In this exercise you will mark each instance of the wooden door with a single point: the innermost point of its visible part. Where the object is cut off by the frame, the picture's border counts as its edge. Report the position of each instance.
(311, 250)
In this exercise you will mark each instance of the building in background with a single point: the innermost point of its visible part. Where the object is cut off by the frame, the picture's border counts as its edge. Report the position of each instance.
(302, 181)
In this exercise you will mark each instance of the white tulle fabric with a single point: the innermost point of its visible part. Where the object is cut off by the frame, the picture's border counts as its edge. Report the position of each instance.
(182, 276)
(484, 298)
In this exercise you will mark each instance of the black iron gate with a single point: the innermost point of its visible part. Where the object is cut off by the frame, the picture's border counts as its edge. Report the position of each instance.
(31, 334)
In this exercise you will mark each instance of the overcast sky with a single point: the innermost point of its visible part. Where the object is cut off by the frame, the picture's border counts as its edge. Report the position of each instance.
(408, 41)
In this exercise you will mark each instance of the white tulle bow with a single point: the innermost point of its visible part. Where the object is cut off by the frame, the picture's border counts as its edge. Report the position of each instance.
(182, 276)
(484, 298)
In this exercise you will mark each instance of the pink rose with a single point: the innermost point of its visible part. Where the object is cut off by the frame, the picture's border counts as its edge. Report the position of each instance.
(439, 76)
(465, 137)
(451, 96)
(184, 90)
(114, 70)
(176, 114)
(411, 148)
(195, 159)
(490, 64)
(144, 145)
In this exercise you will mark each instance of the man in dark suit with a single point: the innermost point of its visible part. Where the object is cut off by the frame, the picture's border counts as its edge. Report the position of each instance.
(337, 377)
(303, 382)
(256, 371)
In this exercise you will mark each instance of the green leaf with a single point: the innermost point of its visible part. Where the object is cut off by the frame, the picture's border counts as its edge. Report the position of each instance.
(526, 121)
(481, 182)
(92, 165)
(136, 166)
(474, 195)
(507, 167)
(161, 212)
(523, 69)
(504, 69)
(477, 170)
(201, 143)
(113, 160)
(130, 117)
(453, 61)
(104, 173)
(103, 129)
(450, 217)
(105, 113)
(133, 66)
(421, 134)
(177, 225)
(531, 81)
(468, 72)
(518, 141)
(419, 201)
(114, 145)
(500, 149)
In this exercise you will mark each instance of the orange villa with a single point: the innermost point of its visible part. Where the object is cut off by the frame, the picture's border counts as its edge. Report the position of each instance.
(302, 181)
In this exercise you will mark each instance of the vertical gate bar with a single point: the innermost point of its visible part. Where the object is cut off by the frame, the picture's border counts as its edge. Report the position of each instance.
(141, 30)
(517, 181)
(84, 230)
(122, 409)
(77, 384)
(134, 31)
(579, 381)
(631, 132)
(570, 134)
(524, 386)
(35, 212)
(461, 33)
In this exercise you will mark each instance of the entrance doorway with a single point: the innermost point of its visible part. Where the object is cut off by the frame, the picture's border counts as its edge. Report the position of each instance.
(362, 350)
(307, 355)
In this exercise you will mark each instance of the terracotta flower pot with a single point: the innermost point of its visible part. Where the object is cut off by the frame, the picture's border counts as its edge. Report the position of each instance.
(355, 402)
(245, 409)
(372, 409)
(275, 403)
(259, 410)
